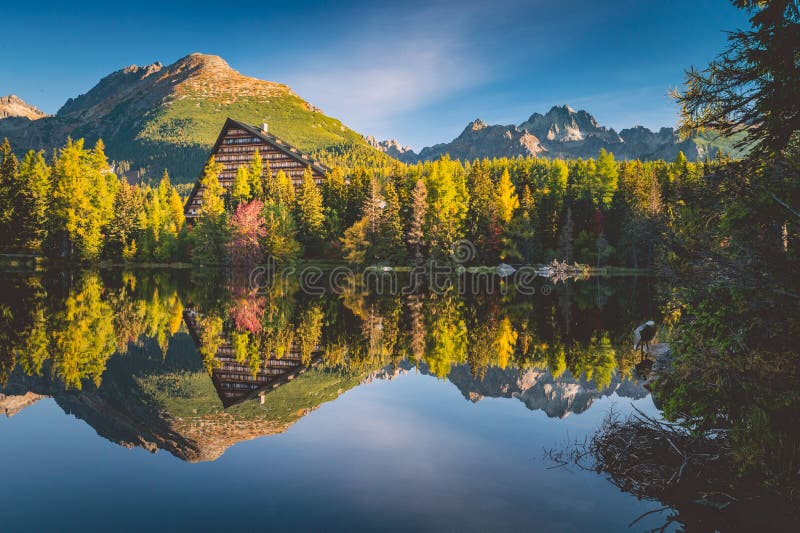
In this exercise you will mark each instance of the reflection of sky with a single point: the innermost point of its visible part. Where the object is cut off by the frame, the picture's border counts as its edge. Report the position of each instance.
(410, 453)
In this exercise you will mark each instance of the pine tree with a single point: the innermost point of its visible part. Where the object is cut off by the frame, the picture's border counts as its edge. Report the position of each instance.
(372, 209)
(279, 241)
(240, 193)
(334, 193)
(34, 193)
(255, 173)
(606, 178)
(284, 190)
(480, 204)
(389, 244)
(124, 228)
(310, 215)
(268, 184)
(211, 231)
(356, 242)
(8, 192)
(506, 198)
(419, 211)
(565, 238)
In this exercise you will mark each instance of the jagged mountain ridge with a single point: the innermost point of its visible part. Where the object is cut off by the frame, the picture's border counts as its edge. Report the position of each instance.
(479, 140)
(565, 133)
(159, 116)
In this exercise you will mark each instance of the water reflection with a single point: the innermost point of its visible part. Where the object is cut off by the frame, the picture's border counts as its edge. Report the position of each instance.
(194, 362)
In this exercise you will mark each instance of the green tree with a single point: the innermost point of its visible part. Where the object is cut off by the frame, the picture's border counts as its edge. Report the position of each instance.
(211, 233)
(310, 216)
(255, 173)
(241, 191)
(34, 193)
(419, 211)
(280, 241)
(506, 198)
(389, 244)
(605, 182)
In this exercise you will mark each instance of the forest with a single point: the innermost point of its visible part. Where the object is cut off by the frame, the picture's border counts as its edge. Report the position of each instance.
(521, 211)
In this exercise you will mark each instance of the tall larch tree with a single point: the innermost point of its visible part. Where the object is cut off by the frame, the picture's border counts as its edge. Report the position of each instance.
(310, 215)
(255, 171)
(211, 231)
(34, 198)
(419, 212)
(506, 198)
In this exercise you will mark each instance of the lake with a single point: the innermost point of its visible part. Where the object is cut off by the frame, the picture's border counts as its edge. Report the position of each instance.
(197, 400)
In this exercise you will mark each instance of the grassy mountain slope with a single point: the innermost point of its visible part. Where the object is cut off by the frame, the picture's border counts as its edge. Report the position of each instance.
(158, 117)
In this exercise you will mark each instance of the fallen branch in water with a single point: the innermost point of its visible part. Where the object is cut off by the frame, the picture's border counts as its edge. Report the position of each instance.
(654, 459)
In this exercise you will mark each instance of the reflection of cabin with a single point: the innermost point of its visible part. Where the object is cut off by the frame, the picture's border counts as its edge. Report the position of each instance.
(235, 147)
(235, 382)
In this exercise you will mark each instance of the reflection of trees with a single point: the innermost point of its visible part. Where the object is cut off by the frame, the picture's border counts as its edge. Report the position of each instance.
(447, 341)
(70, 327)
(70, 332)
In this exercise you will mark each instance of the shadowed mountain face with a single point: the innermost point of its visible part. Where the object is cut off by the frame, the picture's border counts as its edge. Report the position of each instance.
(156, 116)
(565, 133)
(193, 363)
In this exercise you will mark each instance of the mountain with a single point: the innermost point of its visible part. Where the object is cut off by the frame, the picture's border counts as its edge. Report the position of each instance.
(158, 117)
(390, 147)
(565, 133)
(13, 106)
(479, 140)
(539, 390)
(169, 403)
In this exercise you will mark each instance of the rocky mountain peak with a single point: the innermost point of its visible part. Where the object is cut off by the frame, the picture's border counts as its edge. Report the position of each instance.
(392, 148)
(14, 106)
(476, 125)
(564, 124)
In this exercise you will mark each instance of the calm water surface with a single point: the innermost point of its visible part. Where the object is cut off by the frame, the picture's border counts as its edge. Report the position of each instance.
(167, 401)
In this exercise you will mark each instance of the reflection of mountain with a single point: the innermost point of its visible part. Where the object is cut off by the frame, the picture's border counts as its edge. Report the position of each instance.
(156, 402)
(539, 390)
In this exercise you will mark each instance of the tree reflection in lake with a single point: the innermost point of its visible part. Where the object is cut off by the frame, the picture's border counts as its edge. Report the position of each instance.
(112, 348)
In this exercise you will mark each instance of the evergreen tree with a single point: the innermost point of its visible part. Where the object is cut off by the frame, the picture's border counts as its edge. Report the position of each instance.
(334, 193)
(268, 184)
(565, 237)
(481, 201)
(283, 190)
(33, 195)
(124, 228)
(211, 230)
(240, 192)
(356, 242)
(82, 200)
(8, 192)
(506, 198)
(419, 211)
(255, 173)
(389, 244)
(606, 178)
(310, 216)
(279, 240)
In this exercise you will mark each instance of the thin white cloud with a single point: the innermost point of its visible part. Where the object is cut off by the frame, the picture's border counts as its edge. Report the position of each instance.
(381, 72)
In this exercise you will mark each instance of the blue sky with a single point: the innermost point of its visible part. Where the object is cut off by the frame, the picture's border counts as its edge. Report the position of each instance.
(414, 71)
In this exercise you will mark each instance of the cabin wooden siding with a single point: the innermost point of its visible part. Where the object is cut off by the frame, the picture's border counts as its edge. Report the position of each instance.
(235, 381)
(235, 146)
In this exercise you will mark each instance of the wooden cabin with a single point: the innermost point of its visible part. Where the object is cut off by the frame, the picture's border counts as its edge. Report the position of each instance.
(235, 382)
(235, 147)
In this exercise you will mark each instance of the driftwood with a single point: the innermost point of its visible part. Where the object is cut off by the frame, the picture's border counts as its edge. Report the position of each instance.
(654, 459)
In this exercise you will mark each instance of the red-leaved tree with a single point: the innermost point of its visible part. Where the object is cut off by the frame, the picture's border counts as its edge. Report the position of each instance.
(247, 230)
